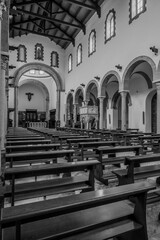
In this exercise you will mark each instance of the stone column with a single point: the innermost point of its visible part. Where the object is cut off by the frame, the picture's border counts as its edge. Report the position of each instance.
(75, 113)
(7, 99)
(101, 112)
(47, 111)
(158, 106)
(4, 60)
(123, 109)
(58, 107)
(16, 106)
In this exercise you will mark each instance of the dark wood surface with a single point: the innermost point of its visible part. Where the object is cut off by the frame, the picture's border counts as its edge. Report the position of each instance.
(99, 209)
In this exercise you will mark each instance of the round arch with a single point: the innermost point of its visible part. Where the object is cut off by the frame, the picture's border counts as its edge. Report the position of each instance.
(77, 92)
(106, 79)
(148, 115)
(39, 66)
(44, 90)
(36, 83)
(132, 65)
(89, 86)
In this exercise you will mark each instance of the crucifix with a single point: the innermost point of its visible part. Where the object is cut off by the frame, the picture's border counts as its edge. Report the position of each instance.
(29, 94)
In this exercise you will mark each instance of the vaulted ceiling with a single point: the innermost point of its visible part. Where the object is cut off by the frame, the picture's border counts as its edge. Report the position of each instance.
(59, 20)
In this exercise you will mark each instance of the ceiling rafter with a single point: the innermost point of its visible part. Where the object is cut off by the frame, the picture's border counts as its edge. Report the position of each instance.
(71, 15)
(81, 4)
(45, 18)
(98, 8)
(42, 34)
(23, 3)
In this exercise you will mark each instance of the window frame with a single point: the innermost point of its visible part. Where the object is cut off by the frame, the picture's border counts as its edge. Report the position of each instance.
(36, 57)
(79, 46)
(25, 53)
(112, 11)
(137, 14)
(70, 56)
(57, 59)
(91, 53)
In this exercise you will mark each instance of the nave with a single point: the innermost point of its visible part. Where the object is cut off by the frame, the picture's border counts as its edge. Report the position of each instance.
(66, 183)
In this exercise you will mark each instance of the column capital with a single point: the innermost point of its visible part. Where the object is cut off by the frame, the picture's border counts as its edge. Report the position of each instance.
(2, 8)
(101, 97)
(157, 82)
(4, 62)
(124, 91)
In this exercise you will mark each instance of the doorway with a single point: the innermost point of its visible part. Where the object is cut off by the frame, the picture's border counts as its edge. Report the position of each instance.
(154, 113)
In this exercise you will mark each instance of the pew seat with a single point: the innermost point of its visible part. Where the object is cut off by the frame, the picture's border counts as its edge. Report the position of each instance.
(96, 215)
(19, 191)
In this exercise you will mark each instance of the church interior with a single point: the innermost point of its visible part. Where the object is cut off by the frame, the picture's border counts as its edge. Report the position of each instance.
(79, 120)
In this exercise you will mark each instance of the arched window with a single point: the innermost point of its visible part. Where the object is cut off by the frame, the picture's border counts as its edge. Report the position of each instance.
(54, 59)
(92, 42)
(110, 25)
(79, 54)
(70, 63)
(136, 8)
(39, 51)
(22, 54)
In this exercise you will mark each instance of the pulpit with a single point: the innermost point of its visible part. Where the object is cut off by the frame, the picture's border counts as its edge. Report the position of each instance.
(89, 117)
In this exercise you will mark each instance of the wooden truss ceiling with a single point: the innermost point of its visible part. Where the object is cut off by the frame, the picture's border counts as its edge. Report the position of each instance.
(59, 20)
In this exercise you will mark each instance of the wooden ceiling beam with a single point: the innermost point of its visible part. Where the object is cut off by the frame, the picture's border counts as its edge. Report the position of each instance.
(97, 7)
(45, 18)
(81, 4)
(24, 3)
(41, 34)
(71, 15)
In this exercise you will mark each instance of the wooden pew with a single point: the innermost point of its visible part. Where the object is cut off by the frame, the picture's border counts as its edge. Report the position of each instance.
(48, 187)
(150, 141)
(111, 159)
(29, 142)
(132, 173)
(25, 138)
(38, 147)
(31, 157)
(104, 214)
(92, 146)
(74, 142)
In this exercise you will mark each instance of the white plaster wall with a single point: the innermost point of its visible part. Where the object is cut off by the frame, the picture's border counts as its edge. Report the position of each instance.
(131, 41)
(30, 41)
(37, 101)
(50, 85)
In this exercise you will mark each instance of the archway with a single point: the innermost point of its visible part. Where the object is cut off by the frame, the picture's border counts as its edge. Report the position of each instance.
(33, 84)
(79, 98)
(137, 80)
(109, 87)
(69, 110)
(92, 102)
(37, 66)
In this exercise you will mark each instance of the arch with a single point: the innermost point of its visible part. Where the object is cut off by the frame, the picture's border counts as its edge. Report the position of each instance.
(38, 66)
(77, 93)
(148, 110)
(114, 100)
(106, 79)
(36, 83)
(89, 86)
(148, 80)
(132, 65)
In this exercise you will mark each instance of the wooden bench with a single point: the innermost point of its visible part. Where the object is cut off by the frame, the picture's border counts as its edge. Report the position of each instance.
(150, 141)
(87, 149)
(132, 173)
(104, 214)
(29, 142)
(38, 147)
(111, 159)
(35, 189)
(31, 157)
(25, 138)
